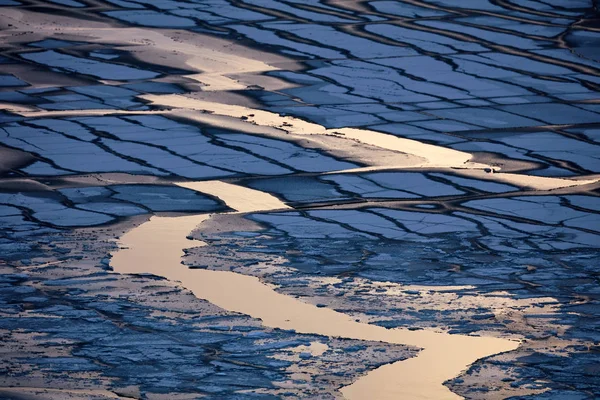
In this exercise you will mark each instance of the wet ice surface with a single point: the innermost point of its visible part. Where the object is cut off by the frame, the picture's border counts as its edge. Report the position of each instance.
(513, 83)
(138, 335)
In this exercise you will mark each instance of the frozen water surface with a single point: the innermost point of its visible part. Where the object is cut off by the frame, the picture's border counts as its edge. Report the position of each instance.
(315, 188)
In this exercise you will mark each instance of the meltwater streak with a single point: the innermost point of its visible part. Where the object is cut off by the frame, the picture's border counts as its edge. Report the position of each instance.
(156, 247)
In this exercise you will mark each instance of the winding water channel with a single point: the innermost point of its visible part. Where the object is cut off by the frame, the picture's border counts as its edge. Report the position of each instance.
(156, 247)
(340, 184)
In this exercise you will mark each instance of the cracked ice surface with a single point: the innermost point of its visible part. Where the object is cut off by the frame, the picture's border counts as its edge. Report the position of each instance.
(85, 156)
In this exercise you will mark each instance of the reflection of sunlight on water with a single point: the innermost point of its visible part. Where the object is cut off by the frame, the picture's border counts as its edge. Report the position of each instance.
(423, 154)
(315, 348)
(218, 65)
(237, 197)
(380, 151)
(222, 66)
(157, 246)
(418, 301)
